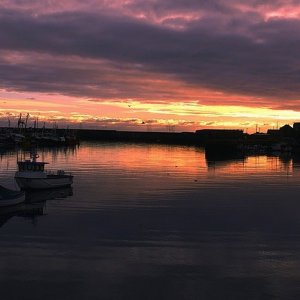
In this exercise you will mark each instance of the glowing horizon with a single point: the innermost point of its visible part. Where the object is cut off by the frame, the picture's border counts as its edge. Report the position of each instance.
(143, 116)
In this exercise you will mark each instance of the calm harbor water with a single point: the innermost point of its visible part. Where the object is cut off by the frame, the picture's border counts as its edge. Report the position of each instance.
(154, 222)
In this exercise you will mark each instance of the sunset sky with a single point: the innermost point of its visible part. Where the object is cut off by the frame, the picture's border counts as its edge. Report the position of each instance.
(177, 65)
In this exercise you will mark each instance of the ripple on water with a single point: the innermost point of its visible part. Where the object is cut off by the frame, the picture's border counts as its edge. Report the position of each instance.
(155, 222)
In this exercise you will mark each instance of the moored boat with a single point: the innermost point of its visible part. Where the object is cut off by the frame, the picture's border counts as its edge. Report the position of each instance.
(31, 174)
(10, 197)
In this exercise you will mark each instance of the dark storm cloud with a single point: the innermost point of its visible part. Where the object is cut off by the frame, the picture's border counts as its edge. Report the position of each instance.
(225, 48)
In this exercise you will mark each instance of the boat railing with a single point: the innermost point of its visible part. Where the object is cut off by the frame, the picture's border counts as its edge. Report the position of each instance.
(58, 172)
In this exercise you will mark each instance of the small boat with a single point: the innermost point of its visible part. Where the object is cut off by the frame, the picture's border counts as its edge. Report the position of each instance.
(10, 197)
(31, 174)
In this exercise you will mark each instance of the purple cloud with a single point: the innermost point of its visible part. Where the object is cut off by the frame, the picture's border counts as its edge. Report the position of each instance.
(100, 50)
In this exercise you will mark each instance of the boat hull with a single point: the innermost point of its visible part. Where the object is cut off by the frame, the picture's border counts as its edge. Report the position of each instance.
(44, 183)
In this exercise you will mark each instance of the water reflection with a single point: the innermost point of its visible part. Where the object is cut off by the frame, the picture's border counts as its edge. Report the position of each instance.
(48, 194)
(34, 205)
(25, 210)
(214, 161)
(178, 162)
(157, 222)
(219, 156)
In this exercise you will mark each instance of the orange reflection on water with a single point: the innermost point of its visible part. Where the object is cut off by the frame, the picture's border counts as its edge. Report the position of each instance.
(158, 165)
(169, 166)
(262, 164)
(148, 158)
(162, 158)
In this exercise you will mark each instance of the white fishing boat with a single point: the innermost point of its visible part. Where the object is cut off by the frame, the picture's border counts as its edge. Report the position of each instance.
(31, 174)
(10, 197)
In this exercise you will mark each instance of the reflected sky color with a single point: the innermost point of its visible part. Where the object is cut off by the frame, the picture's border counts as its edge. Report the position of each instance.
(150, 64)
(154, 222)
(181, 165)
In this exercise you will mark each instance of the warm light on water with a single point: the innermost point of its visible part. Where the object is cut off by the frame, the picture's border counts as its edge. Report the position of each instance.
(154, 222)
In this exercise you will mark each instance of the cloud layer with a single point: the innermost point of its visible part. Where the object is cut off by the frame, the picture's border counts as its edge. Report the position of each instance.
(145, 49)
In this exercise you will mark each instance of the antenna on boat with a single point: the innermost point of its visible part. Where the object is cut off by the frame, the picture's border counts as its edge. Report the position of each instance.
(34, 155)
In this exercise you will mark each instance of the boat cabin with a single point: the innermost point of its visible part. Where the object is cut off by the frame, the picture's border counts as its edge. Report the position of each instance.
(30, 166)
